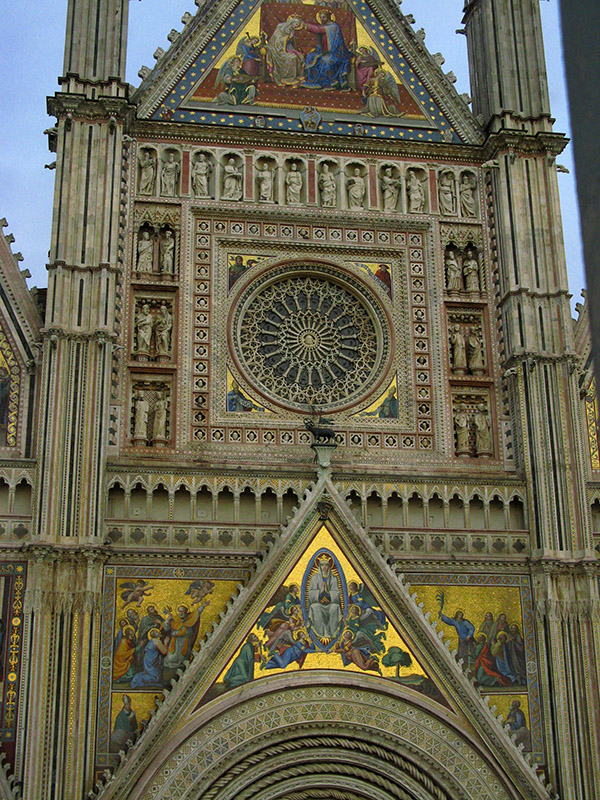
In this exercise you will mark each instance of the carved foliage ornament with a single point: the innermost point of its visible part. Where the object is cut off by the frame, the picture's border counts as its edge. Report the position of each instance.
(306, 337)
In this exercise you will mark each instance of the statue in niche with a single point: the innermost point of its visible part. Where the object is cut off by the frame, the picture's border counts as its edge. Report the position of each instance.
(167, 252)
(163, 326)
(446, 194)
(232, 181)
(468, 203)
(475, 351)
(483, 442)
(160, 417)
(147, 163)
(471, 272)
(144, 323)
(145, 252)
(459, 351)
(390, 188)
(169, 176)
(461, 427)
(293, 186)
(140, 418)
(357, 188)
(264, 180)
(453, 273)
(201, 170)
(416, 193)
(327, 187)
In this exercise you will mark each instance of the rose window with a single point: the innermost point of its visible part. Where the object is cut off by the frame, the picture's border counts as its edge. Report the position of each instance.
(310, 339)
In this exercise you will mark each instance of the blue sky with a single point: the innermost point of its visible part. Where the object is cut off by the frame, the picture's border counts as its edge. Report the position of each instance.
(31, 51)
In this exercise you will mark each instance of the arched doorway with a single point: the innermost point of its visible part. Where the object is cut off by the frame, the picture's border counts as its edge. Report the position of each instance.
(316, 736)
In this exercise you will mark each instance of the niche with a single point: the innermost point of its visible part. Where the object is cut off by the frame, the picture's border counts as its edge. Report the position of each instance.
(436, 512)
(416, 191)
(456, 512)
(476, 513)
(356, 186)
(395, 511)
(232, 177)
(265, 177)
(170, 172)
(137, 502)
(374, 511)
(328, 183)
(497, 521)
(225, 508)
(116, 502)
(204, 504)
(516, 515)
(294, 179)
(288, 501)
(182, 505)
(248, 507)
(415, 511)
(596, 516)
(160, 502)
(202, 175)
(268, 507)
(355, 503)
(22, 499)
(3, 496)
(147, 163)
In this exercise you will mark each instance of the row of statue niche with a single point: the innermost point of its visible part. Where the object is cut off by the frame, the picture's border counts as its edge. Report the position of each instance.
(479, 423)
(148, 242)
(170, 172)
(466, 347)
(462, 271)
(150, 417)
(153, 332)
(451, 187)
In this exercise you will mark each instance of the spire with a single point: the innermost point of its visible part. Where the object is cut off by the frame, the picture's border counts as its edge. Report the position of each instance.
(506, 61)
(96, 39)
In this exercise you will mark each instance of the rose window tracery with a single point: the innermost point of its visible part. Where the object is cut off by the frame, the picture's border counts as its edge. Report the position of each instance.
(309, 339)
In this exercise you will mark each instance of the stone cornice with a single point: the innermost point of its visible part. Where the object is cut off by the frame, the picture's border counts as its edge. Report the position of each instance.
(516, 142)
(81, 107)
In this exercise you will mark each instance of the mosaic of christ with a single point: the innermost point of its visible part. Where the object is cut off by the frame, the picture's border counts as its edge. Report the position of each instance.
(297, 55)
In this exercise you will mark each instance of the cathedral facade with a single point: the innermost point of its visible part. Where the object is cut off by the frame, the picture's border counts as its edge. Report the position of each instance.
(299, 469)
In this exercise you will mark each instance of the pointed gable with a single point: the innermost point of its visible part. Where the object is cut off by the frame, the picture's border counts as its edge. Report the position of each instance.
(300, 66)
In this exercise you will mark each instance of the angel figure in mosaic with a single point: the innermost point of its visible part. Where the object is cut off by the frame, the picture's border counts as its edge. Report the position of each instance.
(134, 592)
(352, 652)
(199, 589)
(381, 95)
(286, 654)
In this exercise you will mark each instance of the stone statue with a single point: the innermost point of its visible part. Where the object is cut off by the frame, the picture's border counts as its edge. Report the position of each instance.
(327, 188)
(264, 180)
(475, 351)
(483, 442)
(471, 272)
(160, 417)
(461, 427)
(145, 252)
(459, 353)
(147, 163)
(144, 323)
(468, 203)
(169, 176)
(416, 194)
(453, 273)
(356, 189)
(163, 326)
(232, 181)
(140, 420)
(446, 194)
(201, 170)
(293, 186)
(167, 252)
(390, 188)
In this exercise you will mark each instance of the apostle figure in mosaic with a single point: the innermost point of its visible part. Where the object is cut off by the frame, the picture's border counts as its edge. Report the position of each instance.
(471, 272)
(145, 252)
(144, 323)
(446, 194)
(125, 728)
(147, 162)
(327, 187)
(167, 252)
(163, 326)
(183, 629)
(242, 668)
(232, 181)
(293, 186)
(169, 176)
(356, 189)
(468, 203)
(390, 188)
(201, 170)
(416, 193)
(324, 598)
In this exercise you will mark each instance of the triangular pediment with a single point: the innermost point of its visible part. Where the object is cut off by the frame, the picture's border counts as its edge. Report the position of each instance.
(353, 70)
(227, 671)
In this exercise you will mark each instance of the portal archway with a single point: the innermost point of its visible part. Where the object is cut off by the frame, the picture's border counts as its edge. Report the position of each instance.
(304, 737)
